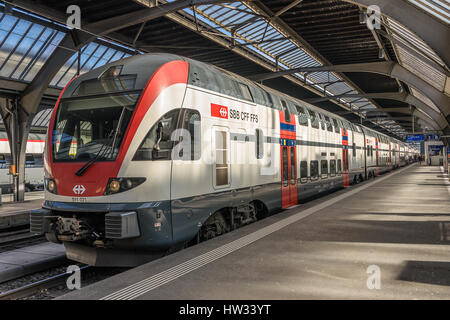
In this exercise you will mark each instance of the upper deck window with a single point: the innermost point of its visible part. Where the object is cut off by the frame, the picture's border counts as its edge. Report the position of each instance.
(245, 91)
(302, 115)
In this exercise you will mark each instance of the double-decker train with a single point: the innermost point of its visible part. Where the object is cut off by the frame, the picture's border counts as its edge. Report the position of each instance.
(34, 172)
(151, 152)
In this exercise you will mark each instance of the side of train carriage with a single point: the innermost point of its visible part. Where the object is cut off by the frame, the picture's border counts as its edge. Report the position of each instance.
(117, 178)
(34, 163)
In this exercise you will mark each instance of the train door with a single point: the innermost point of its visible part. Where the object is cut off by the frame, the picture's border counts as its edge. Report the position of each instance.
(288, 157)
(288, 174)
(390, 157)
(345, 160)
(376, 157)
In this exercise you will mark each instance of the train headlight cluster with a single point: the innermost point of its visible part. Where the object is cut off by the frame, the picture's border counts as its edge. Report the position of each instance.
(116, 185)
(50, 185)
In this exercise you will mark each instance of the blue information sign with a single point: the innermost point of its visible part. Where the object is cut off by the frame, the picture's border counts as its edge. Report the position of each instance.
(414, 137)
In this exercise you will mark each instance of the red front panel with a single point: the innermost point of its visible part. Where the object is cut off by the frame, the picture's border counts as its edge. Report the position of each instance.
(96, 177)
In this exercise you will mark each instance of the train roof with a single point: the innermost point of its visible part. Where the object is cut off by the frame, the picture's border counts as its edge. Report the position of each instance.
(134, 76)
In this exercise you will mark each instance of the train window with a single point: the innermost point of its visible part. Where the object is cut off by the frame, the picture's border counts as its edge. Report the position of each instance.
(329, 125)
(302, 115)
(324, 168)
(157, 143)
(293, 171)
(285, 167)
(339, 167)
(259, 96)
(245, 91)
(221, 164)
(259, 144)
(321, 120)
(2, 158)
(332, 168)
(314, 169)
(337, 129)
(368, 150)
(314, 119)
(303, 171)
(29, 158)
(287, 114)
(354, 149)
(192, 123)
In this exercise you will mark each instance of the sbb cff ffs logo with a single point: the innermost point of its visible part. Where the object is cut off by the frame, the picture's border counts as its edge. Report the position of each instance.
(223, 112)
(219, 111)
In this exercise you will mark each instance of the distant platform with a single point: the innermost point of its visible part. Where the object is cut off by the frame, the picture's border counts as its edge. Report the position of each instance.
(387, 238)
(17, 214)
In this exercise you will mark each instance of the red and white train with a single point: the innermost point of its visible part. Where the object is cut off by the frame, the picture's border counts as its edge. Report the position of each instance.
(34, 171)
(153, 151)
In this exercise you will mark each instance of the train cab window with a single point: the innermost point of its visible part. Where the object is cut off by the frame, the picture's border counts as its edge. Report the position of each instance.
(302, 115)
(287, 114)
(192, 123)
(314, 119)
(339, 166)
(157, 144)
(332, 168)
(303, 171)
(368, 150)
(324, 169)
(221, 163)
(314, 169)
(245, 91)
(329, 125)
(259, 144)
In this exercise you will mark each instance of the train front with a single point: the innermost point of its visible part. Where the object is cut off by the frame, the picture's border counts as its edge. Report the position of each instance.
(106, 205)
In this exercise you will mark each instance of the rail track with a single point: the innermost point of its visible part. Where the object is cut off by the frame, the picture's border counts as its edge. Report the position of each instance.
(34, 287)
(17, 236)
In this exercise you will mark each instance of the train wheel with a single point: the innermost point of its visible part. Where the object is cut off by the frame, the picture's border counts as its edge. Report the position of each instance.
(213, 227)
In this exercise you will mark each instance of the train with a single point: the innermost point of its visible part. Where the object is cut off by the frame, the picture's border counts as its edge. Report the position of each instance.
(151, 153)
(34, 164)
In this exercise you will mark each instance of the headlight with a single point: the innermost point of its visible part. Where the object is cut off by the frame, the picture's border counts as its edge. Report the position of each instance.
(116, 185)
(50, 185)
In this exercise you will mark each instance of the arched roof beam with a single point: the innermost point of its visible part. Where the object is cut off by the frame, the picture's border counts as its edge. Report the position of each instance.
(431, 30)
(389, 68)
(397, 96)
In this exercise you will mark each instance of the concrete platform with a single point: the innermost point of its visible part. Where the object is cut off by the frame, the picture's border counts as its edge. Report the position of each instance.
(398, 224)
(28, 260)
(18, 214)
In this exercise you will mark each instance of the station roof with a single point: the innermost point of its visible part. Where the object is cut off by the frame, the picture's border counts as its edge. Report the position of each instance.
(248, 38)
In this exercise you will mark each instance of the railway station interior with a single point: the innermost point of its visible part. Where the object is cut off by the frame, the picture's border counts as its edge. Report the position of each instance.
(278, 150)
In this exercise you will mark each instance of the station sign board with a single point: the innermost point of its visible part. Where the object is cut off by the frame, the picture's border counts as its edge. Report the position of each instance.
(414, 137)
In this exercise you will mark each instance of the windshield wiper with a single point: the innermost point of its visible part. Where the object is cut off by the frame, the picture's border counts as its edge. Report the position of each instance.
(102, 151)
